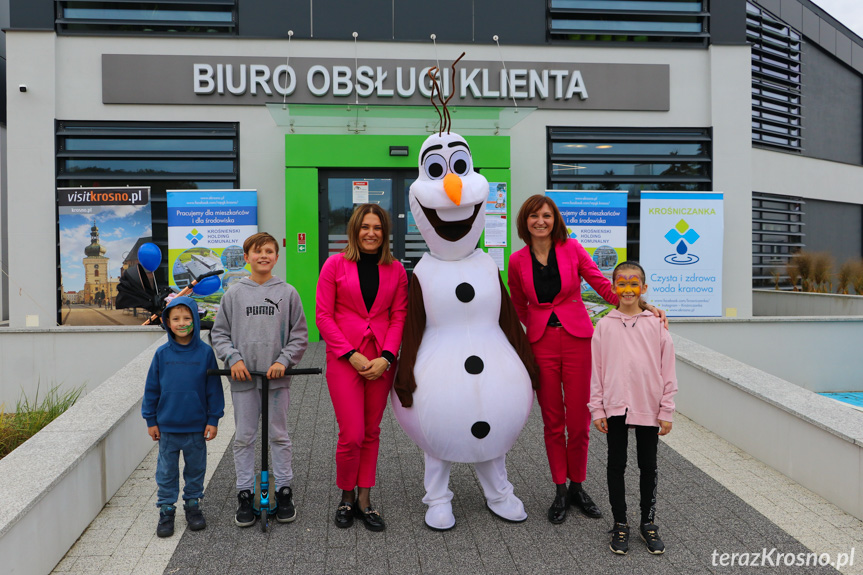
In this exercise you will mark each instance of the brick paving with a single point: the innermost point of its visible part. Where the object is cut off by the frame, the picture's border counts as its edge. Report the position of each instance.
(711, 497)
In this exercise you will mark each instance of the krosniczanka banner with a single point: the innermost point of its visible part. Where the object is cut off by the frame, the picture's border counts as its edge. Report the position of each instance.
(681, 251)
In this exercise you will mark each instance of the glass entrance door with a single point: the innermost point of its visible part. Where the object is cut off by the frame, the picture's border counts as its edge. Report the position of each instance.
(342, 190)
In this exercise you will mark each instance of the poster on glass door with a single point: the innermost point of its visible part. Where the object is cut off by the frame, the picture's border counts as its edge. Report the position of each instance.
(597, 220)
(100, 231)
(206, 231)
(681, 251)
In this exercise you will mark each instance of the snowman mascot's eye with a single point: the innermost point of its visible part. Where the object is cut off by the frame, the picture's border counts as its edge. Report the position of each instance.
(435, 166)
(459, 163)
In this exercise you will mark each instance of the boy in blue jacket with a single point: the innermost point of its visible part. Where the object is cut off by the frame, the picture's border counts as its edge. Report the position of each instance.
(182, 406)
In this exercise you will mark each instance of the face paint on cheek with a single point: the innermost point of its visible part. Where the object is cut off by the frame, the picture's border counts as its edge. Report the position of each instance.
(185, 330)
(622, 289)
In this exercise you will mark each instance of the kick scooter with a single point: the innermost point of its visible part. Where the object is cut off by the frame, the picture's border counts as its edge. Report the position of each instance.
(264, 504)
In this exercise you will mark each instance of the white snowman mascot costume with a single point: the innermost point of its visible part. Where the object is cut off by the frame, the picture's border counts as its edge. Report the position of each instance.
(463, 392)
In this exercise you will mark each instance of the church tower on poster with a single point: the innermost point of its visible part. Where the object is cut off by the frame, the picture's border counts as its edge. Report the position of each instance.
(96, 279)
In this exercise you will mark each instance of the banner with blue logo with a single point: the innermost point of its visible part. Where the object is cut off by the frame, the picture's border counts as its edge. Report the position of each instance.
(681, 251)
(597, 219)
(206, 230)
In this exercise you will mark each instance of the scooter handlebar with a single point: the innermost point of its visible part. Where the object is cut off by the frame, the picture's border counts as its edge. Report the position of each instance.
(295, 371)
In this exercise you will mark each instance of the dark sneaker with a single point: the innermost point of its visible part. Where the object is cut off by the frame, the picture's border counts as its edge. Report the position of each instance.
(286, 512)
(194, 516)
(165, 528)
(245, 516)
(619, 538)
(650, 535)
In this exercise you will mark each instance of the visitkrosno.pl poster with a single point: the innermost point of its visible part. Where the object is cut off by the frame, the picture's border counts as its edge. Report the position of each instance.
(597, 219)
(206, 230)
(681, 251)
(100, 229)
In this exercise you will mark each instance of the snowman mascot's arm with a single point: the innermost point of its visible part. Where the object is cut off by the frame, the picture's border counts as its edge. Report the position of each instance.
(415, 325)
(511, 327)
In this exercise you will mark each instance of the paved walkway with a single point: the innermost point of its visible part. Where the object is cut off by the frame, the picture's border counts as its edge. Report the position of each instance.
(713, 499)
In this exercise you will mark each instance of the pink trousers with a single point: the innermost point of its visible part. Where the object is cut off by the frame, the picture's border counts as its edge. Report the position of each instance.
(359, 405)
(563, 394)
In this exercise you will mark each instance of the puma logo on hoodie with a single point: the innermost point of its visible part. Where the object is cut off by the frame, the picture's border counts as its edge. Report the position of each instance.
(263, 309)
(260, 310)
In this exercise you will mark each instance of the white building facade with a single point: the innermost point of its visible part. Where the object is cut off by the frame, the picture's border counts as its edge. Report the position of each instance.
(658, 99)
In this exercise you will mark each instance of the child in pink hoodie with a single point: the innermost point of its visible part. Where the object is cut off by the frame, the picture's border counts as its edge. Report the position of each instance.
(632, 385)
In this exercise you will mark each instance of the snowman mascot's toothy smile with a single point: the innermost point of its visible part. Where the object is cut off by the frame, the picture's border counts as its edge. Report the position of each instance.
(463, 389)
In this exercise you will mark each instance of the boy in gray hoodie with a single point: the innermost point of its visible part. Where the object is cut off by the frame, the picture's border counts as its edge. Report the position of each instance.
(261, 327)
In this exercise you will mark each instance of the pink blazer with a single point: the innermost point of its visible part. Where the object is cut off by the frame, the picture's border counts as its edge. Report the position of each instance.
(574, 264)
(341, 314)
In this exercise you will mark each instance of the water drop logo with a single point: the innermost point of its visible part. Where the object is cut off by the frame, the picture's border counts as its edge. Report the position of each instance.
(194, 236)
(571, 233)
(682, 234)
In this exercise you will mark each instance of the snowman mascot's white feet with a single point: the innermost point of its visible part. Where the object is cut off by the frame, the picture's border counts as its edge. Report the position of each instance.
(498, 490)
(463, 389)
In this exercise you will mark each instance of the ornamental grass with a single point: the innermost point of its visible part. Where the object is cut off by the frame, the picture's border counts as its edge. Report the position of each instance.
(31, 416)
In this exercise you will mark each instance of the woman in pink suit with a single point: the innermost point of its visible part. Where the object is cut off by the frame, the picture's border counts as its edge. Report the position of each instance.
(361, 307)
(545, 284)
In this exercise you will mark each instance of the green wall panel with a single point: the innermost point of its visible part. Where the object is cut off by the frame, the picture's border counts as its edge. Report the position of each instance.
(301, 216)
(359, 151)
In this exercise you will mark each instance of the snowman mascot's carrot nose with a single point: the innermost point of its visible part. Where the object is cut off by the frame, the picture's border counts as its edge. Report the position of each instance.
(452, 185)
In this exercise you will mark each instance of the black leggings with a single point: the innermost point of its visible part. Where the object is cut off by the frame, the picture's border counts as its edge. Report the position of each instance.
(647, 439)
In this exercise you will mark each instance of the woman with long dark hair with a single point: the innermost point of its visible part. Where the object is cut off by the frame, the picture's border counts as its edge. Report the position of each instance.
(361, 307)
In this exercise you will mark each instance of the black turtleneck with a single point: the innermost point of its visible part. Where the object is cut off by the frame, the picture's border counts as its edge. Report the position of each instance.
(546, 280)
(370, 278)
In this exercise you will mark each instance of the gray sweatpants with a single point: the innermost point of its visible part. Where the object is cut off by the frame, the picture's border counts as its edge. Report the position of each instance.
(247, 413)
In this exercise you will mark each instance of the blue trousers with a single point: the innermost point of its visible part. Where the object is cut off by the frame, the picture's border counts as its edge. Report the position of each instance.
(194, 450)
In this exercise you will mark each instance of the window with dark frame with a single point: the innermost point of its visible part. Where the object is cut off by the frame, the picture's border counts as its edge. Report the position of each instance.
(161, 155)
(776, 80)
(633, 160)
(629, 21)
(777, 234)
(170, 17)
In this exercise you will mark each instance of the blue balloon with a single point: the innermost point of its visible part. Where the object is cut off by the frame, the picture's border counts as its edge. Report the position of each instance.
(207, 286)
(149, 256)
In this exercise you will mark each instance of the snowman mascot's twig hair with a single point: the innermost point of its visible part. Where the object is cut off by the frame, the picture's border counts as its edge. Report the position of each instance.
(445, 119)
